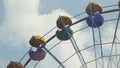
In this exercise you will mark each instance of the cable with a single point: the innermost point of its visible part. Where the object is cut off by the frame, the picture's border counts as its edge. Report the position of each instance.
(118, 62)
(114, 62)
(86, 49)
(49, 31)
(78, 15)
(24, 55)
(110, 20)
(100, 58)
(109, 6)
(101, 46)
(36, 64)
(55, 45)
(54, 57)
(119, 56)
(78, 52)
(94, 46)
(116, 51)
(81, 29)
(67, 59)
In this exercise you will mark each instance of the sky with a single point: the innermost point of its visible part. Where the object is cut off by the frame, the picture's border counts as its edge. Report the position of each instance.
(20, 19)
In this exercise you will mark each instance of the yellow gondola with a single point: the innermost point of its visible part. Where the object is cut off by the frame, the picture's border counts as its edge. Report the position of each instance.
(15, 65)
(93, 7)
(119, 4)
(37, 40)
(63, 20)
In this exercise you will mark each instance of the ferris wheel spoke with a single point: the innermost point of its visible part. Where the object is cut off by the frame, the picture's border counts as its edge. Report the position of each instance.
(36, 64)
(116, 51)
(114, 63)
(113, 39)
(54, 57)
(118, 58)
(94, 47)
(81, 29)
(25, 55)
(101, 47)
(75, 46)
(110, 6)
(77, 50)
(118, 62)
(93, 34)
(55, 45)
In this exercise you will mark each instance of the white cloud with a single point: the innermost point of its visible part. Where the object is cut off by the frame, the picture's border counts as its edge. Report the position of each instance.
(22, 21)
(2, 62)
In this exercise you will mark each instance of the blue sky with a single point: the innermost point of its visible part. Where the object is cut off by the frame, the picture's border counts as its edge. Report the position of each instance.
(20, 19)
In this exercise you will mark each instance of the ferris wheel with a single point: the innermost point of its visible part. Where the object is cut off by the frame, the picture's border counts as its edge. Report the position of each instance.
(99, 34)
